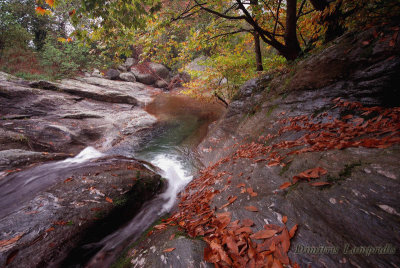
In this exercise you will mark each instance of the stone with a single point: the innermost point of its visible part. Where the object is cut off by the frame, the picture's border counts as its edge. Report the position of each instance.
(161, 84)
(96, 73)
(122, 68)
(160, 70)
(144, 78)
(112, 74)
(128, 76)
(129, 62)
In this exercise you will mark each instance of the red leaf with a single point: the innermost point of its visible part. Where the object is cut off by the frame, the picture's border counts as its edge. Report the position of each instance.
(168, 249)
(319, 183)
(284, 219)
(4, 243)
(247, 222)
(251, 192)
(241, 185)
(251, 208)
(67, 180)
(285, 185)
(264, 234)
(50, 229)
(293, 231)
(109, 200)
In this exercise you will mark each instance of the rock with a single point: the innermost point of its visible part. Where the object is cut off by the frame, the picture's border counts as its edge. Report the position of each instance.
(161, 84)
(129, 77)
(129, 62)
(112, 74)
(122, 68)
(144, 78)
(178, 80)
(75, 206)
(197, 64)
(96, 73)
(160, 70)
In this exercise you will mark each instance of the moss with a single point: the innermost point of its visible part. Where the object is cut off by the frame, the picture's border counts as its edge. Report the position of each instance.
(344, 173)
(285, 168)
(271, 109)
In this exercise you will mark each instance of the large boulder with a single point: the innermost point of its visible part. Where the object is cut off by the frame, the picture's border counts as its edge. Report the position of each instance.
(112, 74)
(197, 64)
(158, 69)
(127, 76)
(144, 78)
(122, 68)
(161, 84)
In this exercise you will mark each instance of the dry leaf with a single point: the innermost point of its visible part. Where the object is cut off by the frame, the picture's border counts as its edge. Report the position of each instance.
(319, 183)
(264, 234)
(285, 185)
(168, 249)
(109, 200)
(251, 208)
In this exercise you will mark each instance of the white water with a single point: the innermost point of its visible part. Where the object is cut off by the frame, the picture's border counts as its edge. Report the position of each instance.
(85, 155)
(175, 173)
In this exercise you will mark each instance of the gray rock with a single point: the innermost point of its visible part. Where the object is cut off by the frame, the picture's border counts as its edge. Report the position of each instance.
(159, 69)
(161, 84)
(122, 68)
(96, 73)
(144, 78)
(128, 76)
(129, 62)
(112, 74)
(197, 64)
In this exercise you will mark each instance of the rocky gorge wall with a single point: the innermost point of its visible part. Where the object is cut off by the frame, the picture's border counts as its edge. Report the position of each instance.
(303, 169)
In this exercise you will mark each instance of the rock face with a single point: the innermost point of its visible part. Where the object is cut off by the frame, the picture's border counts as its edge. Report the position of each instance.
(144, 78)
(113, 74)
(63, 216)
(96, 73)
(159, 70)
(60, 201)
(161, 84)
(69, 115)
(360, 204)
(129, 77)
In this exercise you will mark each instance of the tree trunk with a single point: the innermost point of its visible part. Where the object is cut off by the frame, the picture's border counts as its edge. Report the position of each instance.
(319, 4)
(292, 46)
(257, 50)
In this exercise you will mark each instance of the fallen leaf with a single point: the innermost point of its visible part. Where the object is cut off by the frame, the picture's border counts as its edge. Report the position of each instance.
(319, 183)
(61, 223)
(230, 201)
(172, 237)
(251, 208)
(247, 222)
(5, 243)
(264, 234)
(241, 185)
(293, 231)
(168, 249)
(50, 229)
(109, 200)
(68, 179)
(251, 192)
(285, 185)
(284, 219)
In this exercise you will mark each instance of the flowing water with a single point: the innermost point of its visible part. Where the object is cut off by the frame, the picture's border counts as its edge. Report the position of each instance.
(185, 124)
(182, 124)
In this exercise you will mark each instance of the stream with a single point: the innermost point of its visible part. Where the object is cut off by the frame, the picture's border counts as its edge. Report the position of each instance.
(169, 150)
(184, 124)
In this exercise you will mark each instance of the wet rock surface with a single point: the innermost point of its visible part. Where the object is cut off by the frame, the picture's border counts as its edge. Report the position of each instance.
(359, 208)
(87, 202)
(48, 209)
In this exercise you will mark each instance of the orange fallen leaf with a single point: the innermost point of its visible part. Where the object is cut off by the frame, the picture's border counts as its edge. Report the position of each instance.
(285, 185)
(68, 179)
(264, 234)
(293, 231)
(284, 219)
(4, 243)
(319, 183)
(251, 208)
(247, 222)
(50, 229)
(168, 249)
(251, 192)
(109, 200)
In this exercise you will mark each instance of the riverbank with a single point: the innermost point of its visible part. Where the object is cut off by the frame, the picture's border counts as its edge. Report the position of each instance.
(66, 211)
(302, 159)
